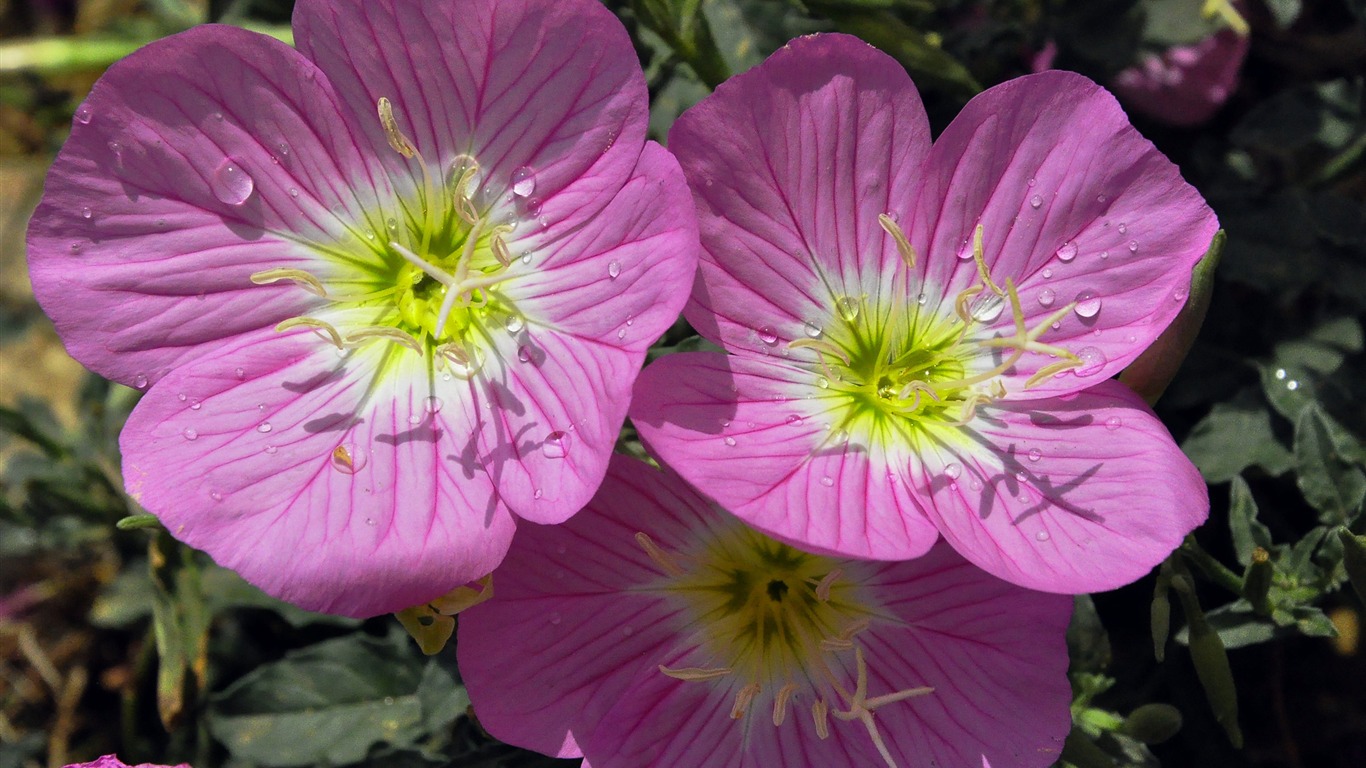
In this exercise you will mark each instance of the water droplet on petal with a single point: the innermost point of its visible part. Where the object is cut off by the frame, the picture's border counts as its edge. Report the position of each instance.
(282, 149)
(1113, 423)
(822, 382)
(953, 470)
(848, 308)
(730, 441)
(1179, 294)
(523, 182)
(215, 495)
(432, 405)
(614, 269)
(189, 433)
(794, 419)
(1133, 246)
(1047, 273)
(231, 184)
(1041, 536)
(556, 445)
(812, 330)
(86, 213)
(83, 114)
(767, 336)
(1032, 181)
(1067, 252)
(1123, 228)
(524, 353)
(514, 324)
(827, 482)
(270, 449)
(1035, 201)
(181, 397)
(554, 618)
(239, 373)
(1046, 297)
(1092, 361)
(195, 405)
(293, 191)
(989, 309)
(1088, 304)
(921, 299)
(140, 381)
(1035, 454)
(348, 459)
(264, 427)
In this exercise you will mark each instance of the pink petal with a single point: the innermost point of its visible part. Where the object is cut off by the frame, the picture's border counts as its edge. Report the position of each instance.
(622, 278)
(756, 436)
(790, 165)
(236, 453)
(196, 161)
(549, 90)
(1077, 494)
(1188, 83)
(1115, 227)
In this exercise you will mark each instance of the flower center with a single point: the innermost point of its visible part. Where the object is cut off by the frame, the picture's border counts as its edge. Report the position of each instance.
(427, 281)
(774, 620)
(915, 368)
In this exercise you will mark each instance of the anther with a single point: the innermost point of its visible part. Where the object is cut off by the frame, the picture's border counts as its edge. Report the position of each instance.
(467, 360)
(663, 559)
(694, 674)
(361, 335)
(343, 457)
(318, 325)
(979, 257)
(780, 703)
(742, 699)
(845, 639)
(903, 246)
(820, 713)
(824, 585)
(400, 143)
(303, 279)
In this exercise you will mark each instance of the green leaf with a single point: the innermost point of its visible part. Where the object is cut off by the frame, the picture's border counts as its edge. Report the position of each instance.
(1177, 22)
(332, 702)
(1328, 478)
(1234, 436)
(1248, 532)
(180, 624)
(1238, 626)
(1288, 388)
(1324, 349)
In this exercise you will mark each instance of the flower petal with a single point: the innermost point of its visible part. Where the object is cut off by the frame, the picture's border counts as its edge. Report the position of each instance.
(995, 654)
(315, 479)
(756, 437)
(790, 165)
(546, 90)
(1081, 494)
(195, 162)
(1075, 205)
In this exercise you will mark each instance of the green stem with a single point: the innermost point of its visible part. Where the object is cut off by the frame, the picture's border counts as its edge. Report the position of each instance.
(1215, 570)
(59, 55)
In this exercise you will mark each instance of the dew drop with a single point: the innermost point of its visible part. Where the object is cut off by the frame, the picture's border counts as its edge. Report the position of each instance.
(1067, 252)
(1035, 201)
(554, 619)
(523, 182)
(75, 247)
(195, 405)
(975, 484)
(524, 353)
(1123, 228)
(1104, 255)
(990, 309)
(1032, 181)
(1113, 423)
(921, 299)
(827, 482)
(117, 149)
(1047, 296)
(526, 257)
(348, 459)
(83, 114)
(1088, 304)
(812, 330)
(848, 308)
(953, 471)
(215, 495)
(730, 441)
(1133, 246)
(822, 382)
(1041, 536)
(140, 381)
(1092, 360)
(556, 445)
(190, 433)
(767, 336)
(293, 191)
(514, 324)
(264, 428)
(1292, 385)
(231, 184)
(240, 374)
(86, 213)
(1280, 374)
(1179, 294)
(1047, 273)
(794, 419)
(614, 269)
(181, 397)
(1035, 454)
(282, 149)
(432, 404)
(538, 493)
(621, 334)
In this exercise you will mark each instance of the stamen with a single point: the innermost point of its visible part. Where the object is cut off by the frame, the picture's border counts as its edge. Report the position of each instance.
(464, 596)
(903, 246)
(890, 698)
(663, 559)
(981, 260)
(845, 639)
(342, 456)
(400, 143)
(820, 713)
(861, 708)
(694, 674)
(780, 703)
(309, 322)
(361, 335)
(823, 587)
(742, 699)
(468, 360)
(306, 281)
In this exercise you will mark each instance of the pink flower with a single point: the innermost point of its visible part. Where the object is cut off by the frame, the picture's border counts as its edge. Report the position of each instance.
(642, 630)
(387, 293)
(111, 761)
(921, 338)
(1186, 84)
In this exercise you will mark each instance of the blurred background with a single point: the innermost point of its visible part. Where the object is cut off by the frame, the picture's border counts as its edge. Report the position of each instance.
(113, 637)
